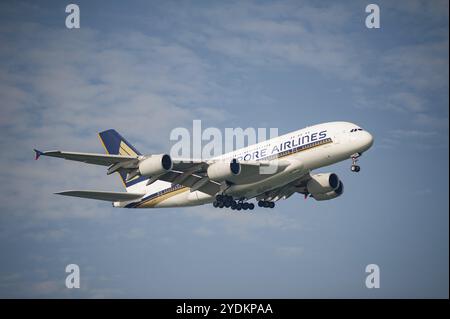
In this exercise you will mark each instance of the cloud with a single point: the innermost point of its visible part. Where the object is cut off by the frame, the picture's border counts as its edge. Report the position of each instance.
(277, 35)
(418, 139)
(61, 90)
(290, 251)
(243, 225)
(49, 234)
(136, 233)
(431, 121)
(412, 134)
(325, 39)
(418, 66)
(406, 102)
(203, 232)
(45, 288)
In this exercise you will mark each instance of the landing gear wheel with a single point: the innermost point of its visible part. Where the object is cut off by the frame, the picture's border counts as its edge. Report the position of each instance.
(251, 206)
(266, 204)
(355, 168)
(215, 204)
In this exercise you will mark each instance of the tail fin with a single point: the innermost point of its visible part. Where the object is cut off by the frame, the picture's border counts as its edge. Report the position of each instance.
(115, 144)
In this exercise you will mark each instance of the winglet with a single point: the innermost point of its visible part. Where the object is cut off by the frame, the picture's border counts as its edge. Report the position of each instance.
(38, 154)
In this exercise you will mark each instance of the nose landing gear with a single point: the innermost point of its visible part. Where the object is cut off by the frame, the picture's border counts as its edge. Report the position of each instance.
(354, 167)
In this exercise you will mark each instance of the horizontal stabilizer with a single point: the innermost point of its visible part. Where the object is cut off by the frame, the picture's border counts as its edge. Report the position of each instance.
(108, 196)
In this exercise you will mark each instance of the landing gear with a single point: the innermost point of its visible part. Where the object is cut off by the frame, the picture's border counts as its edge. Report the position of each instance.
(244, 205)
(354, 167)
(228, 202)
(266, 204)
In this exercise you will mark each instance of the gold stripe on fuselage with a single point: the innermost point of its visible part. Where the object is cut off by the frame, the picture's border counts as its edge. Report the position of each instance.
(159, 199)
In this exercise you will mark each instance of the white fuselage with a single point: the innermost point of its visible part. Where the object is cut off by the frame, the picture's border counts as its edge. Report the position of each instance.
(314, 147)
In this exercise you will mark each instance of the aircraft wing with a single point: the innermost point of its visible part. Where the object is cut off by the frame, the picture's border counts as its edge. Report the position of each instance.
(286, 191)
(107, 196)
(91, 158)
(192, 174)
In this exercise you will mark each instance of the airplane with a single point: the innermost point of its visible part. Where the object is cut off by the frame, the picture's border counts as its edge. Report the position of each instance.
(267, 172)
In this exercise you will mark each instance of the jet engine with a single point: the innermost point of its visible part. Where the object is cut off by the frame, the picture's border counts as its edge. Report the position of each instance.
(325, 186)
(222, 171)
(155, 165)
(330, 195)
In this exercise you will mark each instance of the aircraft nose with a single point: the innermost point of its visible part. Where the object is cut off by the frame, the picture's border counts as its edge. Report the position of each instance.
(368, 139)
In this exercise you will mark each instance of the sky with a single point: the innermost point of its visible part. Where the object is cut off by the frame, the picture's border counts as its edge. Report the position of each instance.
(147, 67)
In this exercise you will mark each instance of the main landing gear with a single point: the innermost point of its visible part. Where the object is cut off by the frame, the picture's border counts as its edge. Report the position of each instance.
(228, 202)
(354, 167)
(266, 204)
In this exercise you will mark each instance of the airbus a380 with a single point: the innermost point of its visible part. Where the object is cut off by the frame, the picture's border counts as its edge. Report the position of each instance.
(266, 172)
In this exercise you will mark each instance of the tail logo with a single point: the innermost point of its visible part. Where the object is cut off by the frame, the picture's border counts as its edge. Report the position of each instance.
(125, 150)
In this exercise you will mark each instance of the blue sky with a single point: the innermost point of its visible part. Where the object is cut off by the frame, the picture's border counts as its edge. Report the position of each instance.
(146, 67)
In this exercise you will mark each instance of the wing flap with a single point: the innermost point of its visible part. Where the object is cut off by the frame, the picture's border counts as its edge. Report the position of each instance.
(107, 196)
(208, 186)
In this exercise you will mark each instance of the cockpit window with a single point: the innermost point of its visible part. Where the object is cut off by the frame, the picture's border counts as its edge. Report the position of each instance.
(356, 129)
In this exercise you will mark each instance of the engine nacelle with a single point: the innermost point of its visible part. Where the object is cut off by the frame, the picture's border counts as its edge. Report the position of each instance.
(222, 171)
(155, 165)
(322, 183)
(330, 195)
